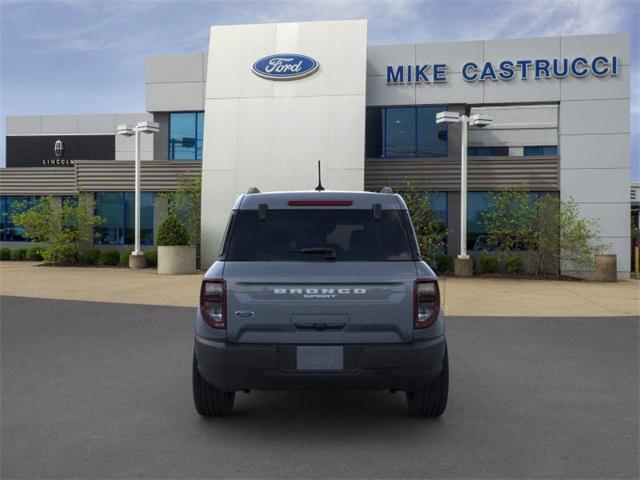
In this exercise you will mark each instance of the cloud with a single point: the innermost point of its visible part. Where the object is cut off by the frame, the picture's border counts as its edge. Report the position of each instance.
(65, 56)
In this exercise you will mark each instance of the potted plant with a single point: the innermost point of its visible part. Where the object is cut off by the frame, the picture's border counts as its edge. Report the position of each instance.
(175, 255)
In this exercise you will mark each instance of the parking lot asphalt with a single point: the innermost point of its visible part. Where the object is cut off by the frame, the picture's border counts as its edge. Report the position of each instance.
(103, 390)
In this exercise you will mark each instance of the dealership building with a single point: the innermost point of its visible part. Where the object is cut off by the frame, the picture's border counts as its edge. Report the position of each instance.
(268, 101)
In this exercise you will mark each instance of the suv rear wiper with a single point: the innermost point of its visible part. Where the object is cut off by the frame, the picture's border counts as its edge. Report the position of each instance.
(329, 253)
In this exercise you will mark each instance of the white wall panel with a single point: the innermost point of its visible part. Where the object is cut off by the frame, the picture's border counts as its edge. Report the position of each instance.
(520, 91)
(453, 54)
(55, 124)
(610, 185)
(174, 97)
(23, 124)
(595, 151)
(591, 87)
(521, 49)
(379, 93)
(175, 68)
(270, 134)
(594, 117)
(379, 56)
(455, 90)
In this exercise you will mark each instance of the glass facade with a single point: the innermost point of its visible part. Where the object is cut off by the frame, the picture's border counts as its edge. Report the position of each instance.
(10, 232)
(478, 202)
(117, 211)
(488, 151)
(185, 135)
(549, 150)
(405, 132)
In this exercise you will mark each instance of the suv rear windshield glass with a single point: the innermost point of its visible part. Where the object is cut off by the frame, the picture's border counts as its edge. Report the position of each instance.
(320, 235)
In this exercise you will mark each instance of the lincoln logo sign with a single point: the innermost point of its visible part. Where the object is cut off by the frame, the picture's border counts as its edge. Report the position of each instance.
(58, 148)
(285, 66)
(505, 70)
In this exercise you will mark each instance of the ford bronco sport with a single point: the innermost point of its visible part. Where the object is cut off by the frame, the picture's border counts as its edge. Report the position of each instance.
(316, 290)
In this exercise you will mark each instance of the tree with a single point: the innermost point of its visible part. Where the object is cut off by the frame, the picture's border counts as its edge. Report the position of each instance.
(508, 219)
(431, 232)
(62, 227)
(185, 204)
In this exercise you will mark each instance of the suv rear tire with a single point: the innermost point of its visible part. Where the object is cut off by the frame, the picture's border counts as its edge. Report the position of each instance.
(210, 401)
(432, 401)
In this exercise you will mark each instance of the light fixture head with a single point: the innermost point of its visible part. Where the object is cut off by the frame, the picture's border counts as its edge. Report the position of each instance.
(148, 127)
(447, 117)
(480, 120)
(126, 130)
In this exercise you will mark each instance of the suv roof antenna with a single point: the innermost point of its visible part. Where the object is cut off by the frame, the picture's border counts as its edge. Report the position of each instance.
(319, 188)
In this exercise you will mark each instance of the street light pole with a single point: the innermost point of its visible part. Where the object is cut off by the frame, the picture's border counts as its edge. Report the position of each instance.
(463, 264)
(136, 247)
(136, 259)
(463, 190)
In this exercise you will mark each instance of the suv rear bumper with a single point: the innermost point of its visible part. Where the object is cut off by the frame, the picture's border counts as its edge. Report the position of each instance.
(232, 367)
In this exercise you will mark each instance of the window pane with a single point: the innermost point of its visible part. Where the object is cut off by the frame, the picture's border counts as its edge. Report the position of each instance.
(432, 137)
(532, 151)
(305, 236)
(199, 134)
(12, 205)
(439, 205)
(373, 133)
(551, 150)
(488, 151)
(182, 136)
(477, 202)
(146, 218)
(400, 132)
(109, 206)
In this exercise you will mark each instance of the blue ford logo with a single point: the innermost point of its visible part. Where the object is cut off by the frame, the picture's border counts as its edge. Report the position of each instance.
(285, 66)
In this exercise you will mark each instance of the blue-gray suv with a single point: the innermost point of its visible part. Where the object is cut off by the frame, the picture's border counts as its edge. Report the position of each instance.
(320, 290)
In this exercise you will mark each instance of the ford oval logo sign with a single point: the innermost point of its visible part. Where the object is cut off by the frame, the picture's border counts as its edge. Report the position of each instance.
(285, 66)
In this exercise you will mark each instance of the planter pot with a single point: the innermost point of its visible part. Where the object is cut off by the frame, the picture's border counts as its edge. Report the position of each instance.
(176, 260)
(606, 268)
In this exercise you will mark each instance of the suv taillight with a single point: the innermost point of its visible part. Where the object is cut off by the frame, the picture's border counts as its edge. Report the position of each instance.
(426, 303)
(213, 303)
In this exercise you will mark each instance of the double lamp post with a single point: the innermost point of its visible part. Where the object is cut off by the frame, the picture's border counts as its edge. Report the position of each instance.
(136, 259)
(463, 263)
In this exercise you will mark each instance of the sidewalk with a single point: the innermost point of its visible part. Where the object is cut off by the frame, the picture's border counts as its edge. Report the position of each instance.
(464, 297)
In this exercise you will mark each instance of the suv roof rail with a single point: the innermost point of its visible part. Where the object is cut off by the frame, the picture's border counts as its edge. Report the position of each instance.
(253, 190)
(386, 190)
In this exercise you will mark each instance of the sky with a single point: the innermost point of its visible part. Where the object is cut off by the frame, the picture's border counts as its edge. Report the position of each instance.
(87, 56)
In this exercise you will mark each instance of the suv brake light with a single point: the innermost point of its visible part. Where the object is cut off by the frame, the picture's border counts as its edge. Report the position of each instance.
(426, 303)
(320, 203)
(213, 303)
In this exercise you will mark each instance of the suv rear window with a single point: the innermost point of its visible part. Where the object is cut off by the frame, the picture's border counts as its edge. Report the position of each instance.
(320, 235)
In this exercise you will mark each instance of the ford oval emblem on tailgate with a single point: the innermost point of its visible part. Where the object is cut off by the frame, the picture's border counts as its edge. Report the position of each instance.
(244, 313)
(284, 66)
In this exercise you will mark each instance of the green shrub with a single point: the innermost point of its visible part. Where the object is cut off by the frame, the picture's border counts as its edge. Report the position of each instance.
(18, 254)
(124, 258)
(152, 257)
(513, 263)
(443, 263)
(489, 263)
(109, 257)
(5, 253)
(172, 232)
(61, 227)
(34, 254)
(90, 257)
(61, 254)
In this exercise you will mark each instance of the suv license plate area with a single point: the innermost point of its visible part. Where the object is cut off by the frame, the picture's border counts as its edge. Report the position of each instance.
(320, 358)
